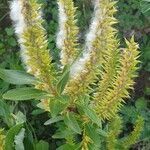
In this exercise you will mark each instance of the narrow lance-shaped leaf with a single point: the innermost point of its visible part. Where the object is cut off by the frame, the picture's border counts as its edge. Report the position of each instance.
(53, 120)
(10, 137)
(19, 145)
(92, 115)
(42, 145)
(24, 94)
(16, 77)
(72, 123)
(63, 80)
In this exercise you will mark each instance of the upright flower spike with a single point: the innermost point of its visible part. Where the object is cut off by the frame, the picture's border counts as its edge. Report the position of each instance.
(135, 134)
(110, 62)
(109, 70)
(114, 129)
(67, 36)
(113, 99)
(85, 141)
(99, 40)
(27, 18)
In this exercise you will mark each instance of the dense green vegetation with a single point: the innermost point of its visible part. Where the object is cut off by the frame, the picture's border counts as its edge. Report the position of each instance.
(134, 18)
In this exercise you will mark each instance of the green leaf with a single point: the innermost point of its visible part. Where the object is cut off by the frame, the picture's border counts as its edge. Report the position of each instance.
(102, 132)
(92, 115)
(27, 93)
(92, 133)
(147, 91)
(63, 80)
(16, 77)
(37, 112)
(141, 103)
(19, 145)
(29, 142)
(11, 135)
(72, 123)
(53, 120)
(19, 117)
(4, 109)
(5, 113)
(57, 105)
(69, 147)
(42, 145)
(145, 5)
(12, 42)
(63, 132)
(9, 31)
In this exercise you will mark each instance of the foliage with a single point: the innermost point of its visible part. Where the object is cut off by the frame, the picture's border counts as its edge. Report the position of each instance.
(34, 123)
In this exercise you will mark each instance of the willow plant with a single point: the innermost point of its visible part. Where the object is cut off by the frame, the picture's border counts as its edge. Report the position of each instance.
(86, 92)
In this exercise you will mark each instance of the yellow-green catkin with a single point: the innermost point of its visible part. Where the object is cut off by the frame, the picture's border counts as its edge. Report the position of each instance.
(2, 140)
(34, 45)
(86, 140)
(97, 43)
(111, 55)
(114, 129)
(67, 37)
(135, 134)
(112, 101)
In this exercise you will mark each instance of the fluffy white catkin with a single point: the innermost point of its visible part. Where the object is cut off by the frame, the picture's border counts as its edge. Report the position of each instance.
(79, 65)
(18, 18)
(61, 35)
(17, 15)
